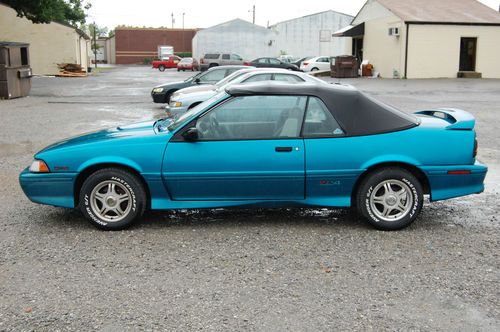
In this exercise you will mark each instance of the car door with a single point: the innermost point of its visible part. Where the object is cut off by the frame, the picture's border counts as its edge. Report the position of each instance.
(275, 63)
(226, 60)
(249, 148)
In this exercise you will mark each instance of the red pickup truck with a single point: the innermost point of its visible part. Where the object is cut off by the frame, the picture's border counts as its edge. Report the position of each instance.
(170, 62)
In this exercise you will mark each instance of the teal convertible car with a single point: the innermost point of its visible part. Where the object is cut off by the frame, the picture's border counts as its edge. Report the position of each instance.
(266, 144)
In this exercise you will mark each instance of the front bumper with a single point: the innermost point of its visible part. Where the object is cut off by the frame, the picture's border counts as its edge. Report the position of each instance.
(175, 111)
(160, 98)
(444, 185)
(55, 189)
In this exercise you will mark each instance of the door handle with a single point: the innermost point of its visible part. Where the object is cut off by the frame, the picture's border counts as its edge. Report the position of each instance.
(283, 149)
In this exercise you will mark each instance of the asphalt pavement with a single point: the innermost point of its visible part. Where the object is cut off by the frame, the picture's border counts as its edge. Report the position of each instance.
(265, 269)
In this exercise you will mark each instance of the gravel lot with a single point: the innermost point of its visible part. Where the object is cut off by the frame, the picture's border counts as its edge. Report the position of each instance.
(280, 269)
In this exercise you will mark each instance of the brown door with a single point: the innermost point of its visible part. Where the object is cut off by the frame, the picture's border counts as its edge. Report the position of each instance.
(468, 54)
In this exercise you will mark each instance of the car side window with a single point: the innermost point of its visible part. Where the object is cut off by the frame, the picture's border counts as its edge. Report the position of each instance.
(235, 57)
(225, 56)
(274, 61)
(263, 60)
(254, 117)
(258, 78)
(213, 76)
(288, 78)
(319, 121)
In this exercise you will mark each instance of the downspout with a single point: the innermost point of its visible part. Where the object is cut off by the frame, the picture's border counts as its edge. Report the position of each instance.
(406, 49)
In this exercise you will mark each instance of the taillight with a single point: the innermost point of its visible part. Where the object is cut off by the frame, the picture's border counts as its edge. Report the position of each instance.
(305, 63)
(246, 63)
(474, 153)
(201, 61)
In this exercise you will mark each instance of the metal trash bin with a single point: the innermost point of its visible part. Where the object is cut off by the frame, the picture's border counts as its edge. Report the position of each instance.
(344, 66)
(15, 70)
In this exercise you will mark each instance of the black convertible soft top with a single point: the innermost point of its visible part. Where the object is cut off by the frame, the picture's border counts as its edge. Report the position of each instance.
(357, 113)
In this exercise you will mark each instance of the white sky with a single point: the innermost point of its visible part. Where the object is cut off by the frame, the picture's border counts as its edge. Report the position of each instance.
(203, 14)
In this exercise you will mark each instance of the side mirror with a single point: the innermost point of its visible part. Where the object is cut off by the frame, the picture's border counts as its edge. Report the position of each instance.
(197, 81)
(191, 134)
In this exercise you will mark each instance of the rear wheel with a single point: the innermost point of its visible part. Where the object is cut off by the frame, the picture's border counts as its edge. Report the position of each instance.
(314, 69)
(112, 199)
(161, 68)
(390, 198)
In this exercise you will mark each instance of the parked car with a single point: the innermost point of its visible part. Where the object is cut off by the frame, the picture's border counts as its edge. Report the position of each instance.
(266, 144)
(210, 60)
(168, 62)
(187, 64)
(316, 63)
(185, 99)
(287, 58)
(272, 63)
(298, 63)
(162, 93)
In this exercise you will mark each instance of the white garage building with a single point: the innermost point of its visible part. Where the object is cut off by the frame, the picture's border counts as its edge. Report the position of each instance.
(312, 35)
(237, 36)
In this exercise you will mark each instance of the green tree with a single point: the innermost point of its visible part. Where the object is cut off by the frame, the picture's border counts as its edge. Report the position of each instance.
(45, 11)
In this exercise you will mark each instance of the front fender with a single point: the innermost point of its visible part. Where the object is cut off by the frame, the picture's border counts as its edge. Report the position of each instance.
(110, 160)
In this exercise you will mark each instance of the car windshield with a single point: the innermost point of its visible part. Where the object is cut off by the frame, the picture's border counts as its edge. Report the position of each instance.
(192, 78)
(230, 78)
(186, 117)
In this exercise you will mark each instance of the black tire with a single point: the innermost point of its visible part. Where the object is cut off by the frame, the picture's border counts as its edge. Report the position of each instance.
(125, 184)
(178, 69)
(314, 69)
(213, 65)
(404, 190)
(161, 68)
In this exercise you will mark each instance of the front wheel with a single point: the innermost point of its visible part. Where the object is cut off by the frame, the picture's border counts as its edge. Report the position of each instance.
(161, 68)
(390, 198)
(112, 199)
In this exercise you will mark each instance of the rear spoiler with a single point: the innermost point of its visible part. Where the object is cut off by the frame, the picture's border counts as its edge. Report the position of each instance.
(458, 119)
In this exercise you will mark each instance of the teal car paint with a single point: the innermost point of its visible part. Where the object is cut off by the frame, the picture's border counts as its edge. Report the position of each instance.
(297, 166)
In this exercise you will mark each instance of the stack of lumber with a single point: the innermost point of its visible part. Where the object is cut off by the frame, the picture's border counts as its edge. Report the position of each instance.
(70, 70)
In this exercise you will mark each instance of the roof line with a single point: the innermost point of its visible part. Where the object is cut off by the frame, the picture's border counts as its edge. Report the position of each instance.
(452, 23)
(324, 11)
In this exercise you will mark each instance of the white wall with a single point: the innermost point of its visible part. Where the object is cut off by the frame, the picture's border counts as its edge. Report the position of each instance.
(246, 39)
(301, 36)
(434, 50)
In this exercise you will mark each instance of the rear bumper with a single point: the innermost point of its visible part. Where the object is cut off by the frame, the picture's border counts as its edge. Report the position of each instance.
(444, 185)
(55, 189)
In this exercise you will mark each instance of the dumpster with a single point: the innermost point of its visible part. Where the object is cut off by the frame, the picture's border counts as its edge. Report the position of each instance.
(15, 70)
(344, 66)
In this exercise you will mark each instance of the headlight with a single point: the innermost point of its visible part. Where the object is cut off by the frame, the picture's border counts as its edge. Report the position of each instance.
(175, 104)
(157, 90)
(39, 166)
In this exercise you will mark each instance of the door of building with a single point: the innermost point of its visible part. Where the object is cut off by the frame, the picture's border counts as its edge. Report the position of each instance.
(468, 54)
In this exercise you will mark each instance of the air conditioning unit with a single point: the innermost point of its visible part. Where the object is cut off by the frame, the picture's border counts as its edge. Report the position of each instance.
(394, 31)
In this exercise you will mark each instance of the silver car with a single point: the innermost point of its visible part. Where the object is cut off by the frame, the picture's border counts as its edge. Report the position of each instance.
(185, 99)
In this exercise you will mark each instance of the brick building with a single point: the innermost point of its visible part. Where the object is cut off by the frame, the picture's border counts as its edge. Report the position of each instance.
(133, 45)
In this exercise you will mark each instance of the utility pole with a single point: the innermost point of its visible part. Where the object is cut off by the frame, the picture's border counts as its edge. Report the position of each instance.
(95, 46)
(183, 14)
(173, 20)
(253, 14)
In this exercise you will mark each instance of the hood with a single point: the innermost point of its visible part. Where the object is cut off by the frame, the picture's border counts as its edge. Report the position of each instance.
(194, 96)
(140, 129)
(176, 85)
(198, 88)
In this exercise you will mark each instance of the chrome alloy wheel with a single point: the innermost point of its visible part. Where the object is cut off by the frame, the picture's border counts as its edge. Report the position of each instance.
(111, 201)
(391, 200)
